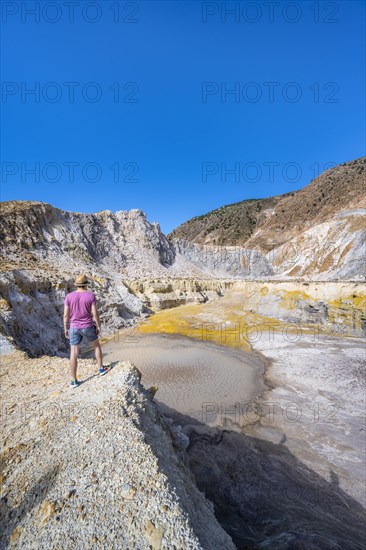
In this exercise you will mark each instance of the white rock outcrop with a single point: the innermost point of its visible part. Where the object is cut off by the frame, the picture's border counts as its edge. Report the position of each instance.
(44, 248)
(97, 468)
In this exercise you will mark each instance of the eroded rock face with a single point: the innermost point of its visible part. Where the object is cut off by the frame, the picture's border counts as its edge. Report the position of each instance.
(45, 248)
(333, 250)
(124, 242)
(159, 294)
(317, 230)
(33, 320)
(132, 265)
(134, 268)
(226, 260)
(334, 307)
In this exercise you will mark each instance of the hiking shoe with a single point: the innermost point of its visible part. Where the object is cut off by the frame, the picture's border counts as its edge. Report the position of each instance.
(104, 370)
(75, 383)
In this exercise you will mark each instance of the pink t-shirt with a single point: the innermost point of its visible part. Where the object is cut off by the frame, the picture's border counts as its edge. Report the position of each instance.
(80, 304)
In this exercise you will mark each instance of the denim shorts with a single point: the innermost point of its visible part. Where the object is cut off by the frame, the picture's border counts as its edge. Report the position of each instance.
(76, 335)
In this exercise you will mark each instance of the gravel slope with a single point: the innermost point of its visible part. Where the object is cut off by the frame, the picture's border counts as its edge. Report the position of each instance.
(94, 467)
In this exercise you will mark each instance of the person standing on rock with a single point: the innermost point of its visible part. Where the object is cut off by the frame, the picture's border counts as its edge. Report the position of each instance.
(82, 314)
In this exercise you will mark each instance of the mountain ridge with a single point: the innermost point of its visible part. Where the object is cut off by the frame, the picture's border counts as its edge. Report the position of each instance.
(44, 248)
(316, 231)
(214, 227)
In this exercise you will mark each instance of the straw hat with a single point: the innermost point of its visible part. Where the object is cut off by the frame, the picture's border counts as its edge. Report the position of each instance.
(82, 280)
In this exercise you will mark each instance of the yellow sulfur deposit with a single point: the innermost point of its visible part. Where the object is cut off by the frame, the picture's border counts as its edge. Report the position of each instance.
(224, 321)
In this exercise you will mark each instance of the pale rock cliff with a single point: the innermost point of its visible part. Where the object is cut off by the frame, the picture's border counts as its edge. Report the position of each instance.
(44, 248)
(227, 260)
(333, 250)
(135, 269)
(159, 294)
(318, 231)
(335, 308)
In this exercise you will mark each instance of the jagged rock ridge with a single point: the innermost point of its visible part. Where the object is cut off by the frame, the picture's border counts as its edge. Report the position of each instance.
(44, 248)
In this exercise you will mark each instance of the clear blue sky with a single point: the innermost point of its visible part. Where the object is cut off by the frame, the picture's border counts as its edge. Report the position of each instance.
(167, 123)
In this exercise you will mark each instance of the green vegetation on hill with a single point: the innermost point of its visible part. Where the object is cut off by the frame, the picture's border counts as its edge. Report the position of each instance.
(257, 222)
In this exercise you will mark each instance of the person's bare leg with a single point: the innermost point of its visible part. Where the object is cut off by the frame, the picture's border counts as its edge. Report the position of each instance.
(98, 353)
(74, 352)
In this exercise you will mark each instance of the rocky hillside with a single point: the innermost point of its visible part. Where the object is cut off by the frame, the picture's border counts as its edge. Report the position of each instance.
(100, 469)
(43, 248)
(316, 231)
(37, 235)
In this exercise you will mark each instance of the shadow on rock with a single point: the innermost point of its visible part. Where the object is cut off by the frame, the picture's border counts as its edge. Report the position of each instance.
(12, 516)
(264, 497)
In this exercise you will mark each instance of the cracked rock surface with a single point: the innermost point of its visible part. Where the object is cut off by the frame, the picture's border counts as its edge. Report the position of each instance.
(97, 466)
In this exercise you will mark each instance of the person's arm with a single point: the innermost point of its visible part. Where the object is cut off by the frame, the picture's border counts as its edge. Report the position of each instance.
(66, 320)
(96, 316)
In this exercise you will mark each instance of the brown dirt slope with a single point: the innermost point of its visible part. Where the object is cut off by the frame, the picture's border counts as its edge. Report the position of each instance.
(265, 223)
